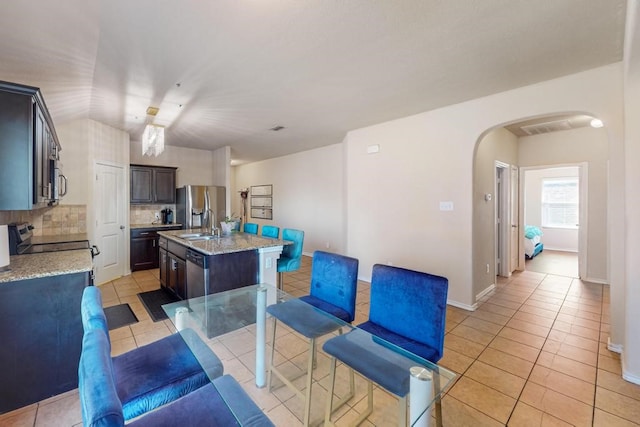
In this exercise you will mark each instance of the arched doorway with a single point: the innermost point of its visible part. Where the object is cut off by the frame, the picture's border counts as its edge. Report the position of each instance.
(553, 140)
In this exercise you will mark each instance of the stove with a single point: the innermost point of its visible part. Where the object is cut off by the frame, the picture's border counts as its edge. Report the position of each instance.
(22, 241)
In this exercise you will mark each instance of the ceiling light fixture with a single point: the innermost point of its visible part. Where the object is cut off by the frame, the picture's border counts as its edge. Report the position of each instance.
(153, 136)
(596, 123)
(153, 140)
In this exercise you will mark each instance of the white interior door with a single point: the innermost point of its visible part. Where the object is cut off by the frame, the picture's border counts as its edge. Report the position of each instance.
(110, 222)
(499, 222)
(506, 209)
(514, 247)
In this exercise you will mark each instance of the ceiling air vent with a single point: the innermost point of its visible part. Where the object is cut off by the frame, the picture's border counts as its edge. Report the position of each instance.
(540, 128)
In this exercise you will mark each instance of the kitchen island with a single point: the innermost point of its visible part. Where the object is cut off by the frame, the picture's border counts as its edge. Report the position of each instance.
(40, 325)
(195, 263)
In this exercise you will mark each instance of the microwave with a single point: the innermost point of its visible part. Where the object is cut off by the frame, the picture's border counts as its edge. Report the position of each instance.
(58, 183)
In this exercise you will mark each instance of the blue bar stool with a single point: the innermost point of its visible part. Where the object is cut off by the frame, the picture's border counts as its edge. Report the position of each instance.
(270, 231)
(251, 228)
(291, 254)
(407, 309)
(334, 280)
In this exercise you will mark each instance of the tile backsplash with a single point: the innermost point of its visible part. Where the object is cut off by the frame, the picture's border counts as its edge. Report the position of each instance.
(58, 220)
(145, 214)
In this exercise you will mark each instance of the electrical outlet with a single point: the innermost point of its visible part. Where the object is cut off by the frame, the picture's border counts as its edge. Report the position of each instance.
(487, 268)
(157, 215)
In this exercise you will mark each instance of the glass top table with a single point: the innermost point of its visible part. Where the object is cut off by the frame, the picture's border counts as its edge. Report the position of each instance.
(220, 315)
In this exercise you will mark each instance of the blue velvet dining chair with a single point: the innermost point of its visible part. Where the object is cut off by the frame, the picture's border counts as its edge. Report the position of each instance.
(220, 402)
(291, 256)
(270, 231)
(407, 309)
(250, 227)
(333, 288)
(155, 374)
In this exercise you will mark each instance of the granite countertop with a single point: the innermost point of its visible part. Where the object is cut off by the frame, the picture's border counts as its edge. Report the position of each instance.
(152, 225)
(235, 242)
(47, 264)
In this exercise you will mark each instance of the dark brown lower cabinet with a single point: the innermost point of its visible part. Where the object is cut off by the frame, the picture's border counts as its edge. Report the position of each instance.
(144, 249)
(173, 267)
(41, 336)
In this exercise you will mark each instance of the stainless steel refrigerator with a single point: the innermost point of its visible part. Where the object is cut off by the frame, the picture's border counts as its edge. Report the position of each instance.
(199, 206)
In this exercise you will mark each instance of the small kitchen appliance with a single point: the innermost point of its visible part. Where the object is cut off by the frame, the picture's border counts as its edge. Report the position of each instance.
(167, 216)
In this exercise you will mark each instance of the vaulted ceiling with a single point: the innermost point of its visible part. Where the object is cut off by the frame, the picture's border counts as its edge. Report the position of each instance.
(225, 72)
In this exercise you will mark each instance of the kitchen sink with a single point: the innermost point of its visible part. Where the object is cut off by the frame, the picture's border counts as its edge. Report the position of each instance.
(190, 235)
(202, 237)
(197, 236)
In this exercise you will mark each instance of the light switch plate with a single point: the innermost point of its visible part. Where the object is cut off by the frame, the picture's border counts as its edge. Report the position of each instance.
(446, 206)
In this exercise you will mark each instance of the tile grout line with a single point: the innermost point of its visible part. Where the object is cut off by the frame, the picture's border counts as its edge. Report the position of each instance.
(541, 349)
(476, 359)
(564, 299)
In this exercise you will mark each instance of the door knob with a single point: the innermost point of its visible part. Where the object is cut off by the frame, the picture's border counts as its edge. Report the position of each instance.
(122, 227)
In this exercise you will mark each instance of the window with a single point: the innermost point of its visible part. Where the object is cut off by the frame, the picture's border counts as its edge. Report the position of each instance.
(560, 202)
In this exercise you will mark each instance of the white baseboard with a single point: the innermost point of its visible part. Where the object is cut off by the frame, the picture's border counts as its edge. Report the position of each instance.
(597, 281)
(462, 306)
(547, 248)
(629, 377)
(616, 348)
(487, 290)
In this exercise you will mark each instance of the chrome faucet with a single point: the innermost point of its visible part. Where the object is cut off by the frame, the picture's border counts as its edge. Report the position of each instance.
(211, 221)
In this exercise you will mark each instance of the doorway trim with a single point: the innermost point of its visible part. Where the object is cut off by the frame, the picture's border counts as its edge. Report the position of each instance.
(504, 208)
(123, 214)
(583, 173)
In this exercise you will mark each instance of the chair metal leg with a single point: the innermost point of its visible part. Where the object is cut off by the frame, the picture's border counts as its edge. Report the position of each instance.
(369, 409)
(436, 386)
(330, 409)
(307, 397)
(332, 382)
(289, 381)
(273, 353)
(280, 283)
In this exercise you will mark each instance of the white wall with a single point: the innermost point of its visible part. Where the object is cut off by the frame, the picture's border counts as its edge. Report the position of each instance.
(85, 142)
(222, 174)
(74, 158)
(559, 239)
(428, 158)
(308, 191)
(631, 296)
(497, 145)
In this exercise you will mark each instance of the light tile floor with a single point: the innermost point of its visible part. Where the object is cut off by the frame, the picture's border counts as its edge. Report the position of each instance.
(533, 354)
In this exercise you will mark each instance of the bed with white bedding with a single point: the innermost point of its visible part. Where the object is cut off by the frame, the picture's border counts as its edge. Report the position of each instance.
(532, 241)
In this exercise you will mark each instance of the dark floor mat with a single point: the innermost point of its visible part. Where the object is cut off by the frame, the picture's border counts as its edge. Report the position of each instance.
(153, 301)
(119, 316)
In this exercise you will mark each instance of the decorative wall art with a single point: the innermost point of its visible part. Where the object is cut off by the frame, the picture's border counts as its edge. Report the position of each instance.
(262, 201)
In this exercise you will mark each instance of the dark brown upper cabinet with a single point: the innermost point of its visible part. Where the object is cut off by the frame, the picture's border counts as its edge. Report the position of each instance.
(29, 149)
(152, 184)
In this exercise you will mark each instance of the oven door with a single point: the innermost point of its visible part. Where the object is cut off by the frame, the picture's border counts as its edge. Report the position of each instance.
(55, 247)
